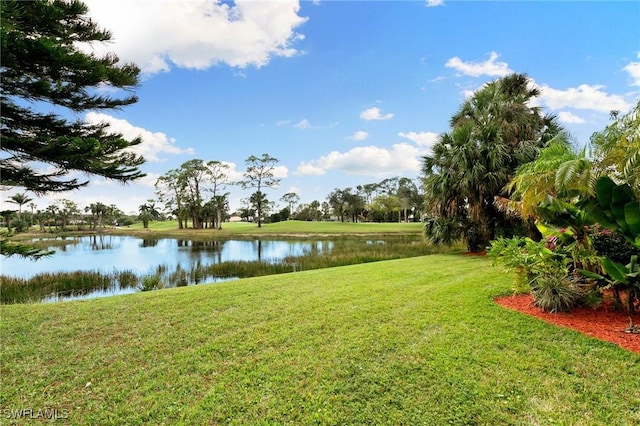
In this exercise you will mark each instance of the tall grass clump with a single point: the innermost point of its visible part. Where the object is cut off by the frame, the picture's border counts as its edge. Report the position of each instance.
(41, 286)
(151, 282)
(126, 279)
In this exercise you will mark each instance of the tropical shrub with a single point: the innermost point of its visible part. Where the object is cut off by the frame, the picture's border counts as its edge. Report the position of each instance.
(525, 257)
(556, 291)
(577, 191)
(549, 268)
(612, 245)
(616, 207)
(620, 278)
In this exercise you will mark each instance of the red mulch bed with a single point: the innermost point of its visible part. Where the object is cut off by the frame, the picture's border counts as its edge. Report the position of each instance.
(602, 323)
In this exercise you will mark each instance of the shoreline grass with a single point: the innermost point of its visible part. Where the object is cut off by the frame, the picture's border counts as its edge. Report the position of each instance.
(343, 251)
(408, 341)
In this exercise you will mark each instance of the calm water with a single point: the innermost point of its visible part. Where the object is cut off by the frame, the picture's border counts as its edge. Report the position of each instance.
(108, 253)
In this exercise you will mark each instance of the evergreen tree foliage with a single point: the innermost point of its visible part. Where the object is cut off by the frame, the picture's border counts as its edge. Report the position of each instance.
(47, 76)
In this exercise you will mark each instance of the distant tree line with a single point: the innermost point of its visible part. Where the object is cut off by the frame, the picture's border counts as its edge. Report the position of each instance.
(65, 215)
(196, 194)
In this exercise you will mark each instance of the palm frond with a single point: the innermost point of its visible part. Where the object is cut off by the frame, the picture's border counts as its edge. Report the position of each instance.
(570, 174)
(631, 169)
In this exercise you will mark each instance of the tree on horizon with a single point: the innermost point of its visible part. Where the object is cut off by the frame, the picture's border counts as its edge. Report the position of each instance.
(259, 175)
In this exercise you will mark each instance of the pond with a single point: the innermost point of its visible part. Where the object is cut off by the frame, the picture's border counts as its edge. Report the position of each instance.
(109, 254)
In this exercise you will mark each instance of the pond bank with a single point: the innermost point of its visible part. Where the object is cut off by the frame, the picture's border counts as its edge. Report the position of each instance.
(128, 264)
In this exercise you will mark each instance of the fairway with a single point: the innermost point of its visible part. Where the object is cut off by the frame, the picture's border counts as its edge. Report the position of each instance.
(409, 341)
(289, 227)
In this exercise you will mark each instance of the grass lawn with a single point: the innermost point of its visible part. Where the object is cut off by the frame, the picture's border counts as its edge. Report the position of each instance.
(283, 228)
(401, 342)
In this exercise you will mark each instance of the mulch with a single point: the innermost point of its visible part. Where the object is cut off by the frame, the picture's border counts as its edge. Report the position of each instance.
(602, 323)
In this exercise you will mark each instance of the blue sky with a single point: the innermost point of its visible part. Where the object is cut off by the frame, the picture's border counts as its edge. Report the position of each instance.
(346, 93)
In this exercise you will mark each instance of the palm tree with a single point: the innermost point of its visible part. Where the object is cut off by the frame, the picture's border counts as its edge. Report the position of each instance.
(562, 173)
(52, 215)
(494, 132)
(148, 212)
(616, 149)
(558, 172)
(41, 217)
(20, 200)
(33, 206)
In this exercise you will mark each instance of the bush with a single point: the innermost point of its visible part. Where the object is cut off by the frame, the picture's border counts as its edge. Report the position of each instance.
(19, 225)
(554, 291)
(126, 221)
(541, 266)
(612, 245)
(527, 258)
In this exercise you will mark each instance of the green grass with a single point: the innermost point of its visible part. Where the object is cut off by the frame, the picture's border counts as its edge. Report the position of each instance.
(408, 341)
(287, 228)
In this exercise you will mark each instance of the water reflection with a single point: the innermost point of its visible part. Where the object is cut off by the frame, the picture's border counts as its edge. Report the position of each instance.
(108, 253)
(98, 266)
(149, 242)
(133, 263)
(102, 242)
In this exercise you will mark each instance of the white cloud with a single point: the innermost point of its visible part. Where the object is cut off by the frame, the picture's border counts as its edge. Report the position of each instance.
(360, 135)
(283, 122)
(567, 117)
(634, 71)
(374, 114)
(374, 161)
(433, 3)
(475, 69)
(280, 172)
(424, 139)
(309, 169)
(198, 33)
(232, 172)
(303, 124)
(152, 144)
(582, 97)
